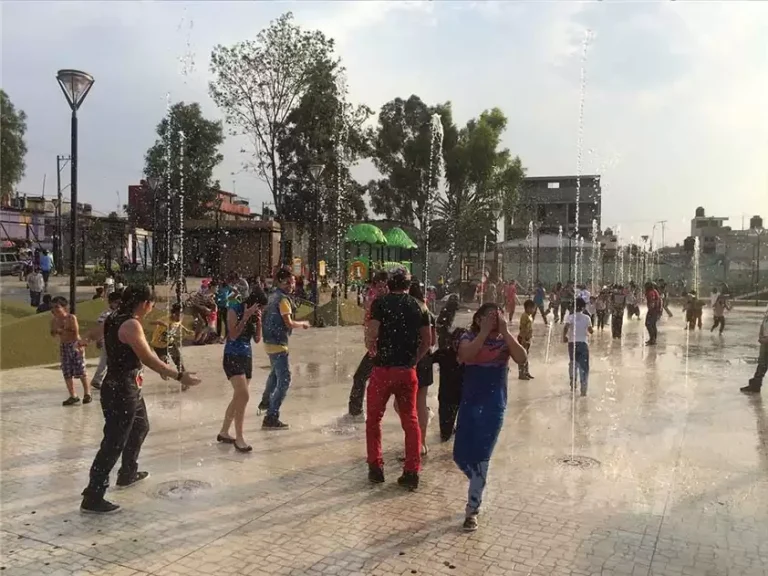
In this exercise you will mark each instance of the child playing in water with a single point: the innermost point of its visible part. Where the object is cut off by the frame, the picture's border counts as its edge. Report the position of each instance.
(576, 331)
(719, 307)
(166, 339)
(525, 335)
(65, 326)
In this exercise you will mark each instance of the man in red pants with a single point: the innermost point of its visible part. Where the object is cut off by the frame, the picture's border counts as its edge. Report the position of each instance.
(398, 336)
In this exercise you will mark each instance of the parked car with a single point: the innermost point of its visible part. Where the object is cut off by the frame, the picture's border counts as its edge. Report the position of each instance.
(9, 263)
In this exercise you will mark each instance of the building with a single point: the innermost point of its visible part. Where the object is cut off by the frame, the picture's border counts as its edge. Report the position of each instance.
(226, 206)
(551, 202)
(709, 230)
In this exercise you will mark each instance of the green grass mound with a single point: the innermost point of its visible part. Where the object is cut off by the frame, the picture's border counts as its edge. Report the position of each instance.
(26, 340)
(350, 314)
(12, 310)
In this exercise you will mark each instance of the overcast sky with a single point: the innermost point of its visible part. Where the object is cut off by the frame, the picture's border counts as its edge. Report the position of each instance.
(675, 116)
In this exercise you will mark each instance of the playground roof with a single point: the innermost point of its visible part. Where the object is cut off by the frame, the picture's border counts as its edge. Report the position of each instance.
(397, 238)
(366, 234)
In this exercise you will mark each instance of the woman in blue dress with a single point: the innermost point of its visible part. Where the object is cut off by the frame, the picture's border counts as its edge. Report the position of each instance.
(485, 351)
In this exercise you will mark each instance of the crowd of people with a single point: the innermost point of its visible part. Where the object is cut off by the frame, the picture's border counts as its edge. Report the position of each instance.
(403, 339)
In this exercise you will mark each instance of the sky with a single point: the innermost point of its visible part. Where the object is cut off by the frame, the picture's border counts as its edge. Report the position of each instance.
(674, 93)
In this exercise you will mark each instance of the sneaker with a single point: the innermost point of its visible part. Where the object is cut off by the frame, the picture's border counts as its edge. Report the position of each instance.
(87, 399)
(470, 523)
(71, 401)
(100, 506)
(273, 423)
(409, 480)
(96, 385)
(750, 389)
(530, 377)
(523, 377)
(135, 479)
(375, 474)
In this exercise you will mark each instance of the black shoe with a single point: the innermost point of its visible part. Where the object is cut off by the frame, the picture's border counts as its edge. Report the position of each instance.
(375, 474)
(224, 439)
(409, 480)
(750, 389)
(87, 399)
(273, 423)
(530, 377)
(245, 449)
(71, 401)
(523, 377)
(96, 385)
(100, 506)
(131, 480)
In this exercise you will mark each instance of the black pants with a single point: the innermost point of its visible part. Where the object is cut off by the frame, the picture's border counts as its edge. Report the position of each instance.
(449, 392)
(617, 321)
(719, 321)
(125, 427)
(46, 275)
(34, 298)
(762, 367)
(650, 324)
(601, 319)
(359, 381)
(221, 322)
(565, 307)
(540, 308)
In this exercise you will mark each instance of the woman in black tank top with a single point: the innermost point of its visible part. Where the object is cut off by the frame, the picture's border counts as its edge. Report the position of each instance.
(125, 414)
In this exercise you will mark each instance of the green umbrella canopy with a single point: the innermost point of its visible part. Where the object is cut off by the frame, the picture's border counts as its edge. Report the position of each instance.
(365, 234)
(397, 238)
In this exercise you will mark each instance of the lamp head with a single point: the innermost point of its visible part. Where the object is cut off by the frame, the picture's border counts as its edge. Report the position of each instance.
(75, 85)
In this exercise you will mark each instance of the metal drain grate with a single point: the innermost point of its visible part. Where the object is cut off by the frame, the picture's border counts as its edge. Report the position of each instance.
(576, 461)
(181, 489)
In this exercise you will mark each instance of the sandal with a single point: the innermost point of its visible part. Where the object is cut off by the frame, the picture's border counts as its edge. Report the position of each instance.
(246, 448)
(224, 439)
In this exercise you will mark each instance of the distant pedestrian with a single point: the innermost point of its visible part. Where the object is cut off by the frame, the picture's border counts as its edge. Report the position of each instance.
(36, 285)
(46, 266)
(65, 326)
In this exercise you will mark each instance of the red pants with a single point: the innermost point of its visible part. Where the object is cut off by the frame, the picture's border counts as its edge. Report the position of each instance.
(402, 383)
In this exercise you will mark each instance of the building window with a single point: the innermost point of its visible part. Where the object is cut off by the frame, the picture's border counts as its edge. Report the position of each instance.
(552, 185)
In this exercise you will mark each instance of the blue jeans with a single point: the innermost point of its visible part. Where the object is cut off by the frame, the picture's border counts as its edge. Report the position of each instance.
(579, 352)
(278, 382)
(477, 473)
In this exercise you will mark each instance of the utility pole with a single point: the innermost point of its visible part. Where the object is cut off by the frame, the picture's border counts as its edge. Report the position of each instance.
(59, 244)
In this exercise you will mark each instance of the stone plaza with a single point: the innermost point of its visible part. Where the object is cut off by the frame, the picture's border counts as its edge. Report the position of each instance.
(673, 481)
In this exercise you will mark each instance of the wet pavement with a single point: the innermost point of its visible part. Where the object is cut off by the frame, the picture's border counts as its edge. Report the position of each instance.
(674, 478)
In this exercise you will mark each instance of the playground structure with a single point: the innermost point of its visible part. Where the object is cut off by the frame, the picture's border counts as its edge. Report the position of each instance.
(384, 251)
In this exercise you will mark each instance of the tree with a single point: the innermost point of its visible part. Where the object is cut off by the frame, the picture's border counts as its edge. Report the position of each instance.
(402, 152)
(480, 181)
(259, 83)
(13, 126)
(324, 128)
(184, 156)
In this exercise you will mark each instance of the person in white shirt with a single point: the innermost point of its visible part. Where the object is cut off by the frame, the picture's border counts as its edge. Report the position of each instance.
(36, 285)
(578, 327)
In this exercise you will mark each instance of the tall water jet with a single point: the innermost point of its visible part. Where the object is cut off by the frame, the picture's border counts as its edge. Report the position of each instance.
(435, 172)
(559, 253)
(696, 259)
(529, 260)
(593, 256)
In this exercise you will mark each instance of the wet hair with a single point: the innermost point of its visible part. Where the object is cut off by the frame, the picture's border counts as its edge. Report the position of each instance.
(529, 304)
(380, 276)
(133, 296)
(115, 297)
(176, 309)
(475, 327)
(59, 301)
(416, 291)
(580, 304)
(283, 275)
(448, 314)
(398, 281)
(47, 298)
(257, 296)
(558, 286)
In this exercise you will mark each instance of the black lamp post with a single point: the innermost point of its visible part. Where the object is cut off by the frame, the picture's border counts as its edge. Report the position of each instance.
(315, 170)
(758, 234)
(75, 85)
(154, 184)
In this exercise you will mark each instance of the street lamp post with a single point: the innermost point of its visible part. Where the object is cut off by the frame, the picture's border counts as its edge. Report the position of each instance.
(75, 85)
(758, 233)
(154, 184)
(315, 170)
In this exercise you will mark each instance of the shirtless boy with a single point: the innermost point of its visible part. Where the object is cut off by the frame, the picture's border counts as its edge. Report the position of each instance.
(65, 326)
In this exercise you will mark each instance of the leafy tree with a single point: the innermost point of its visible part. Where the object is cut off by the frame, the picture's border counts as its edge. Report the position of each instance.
(13, 126)
(481, 181)
(184, 156)
(259, 83)
(323, 129)
(402, 150)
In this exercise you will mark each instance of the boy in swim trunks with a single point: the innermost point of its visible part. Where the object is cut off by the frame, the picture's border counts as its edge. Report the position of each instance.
(65, 326)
